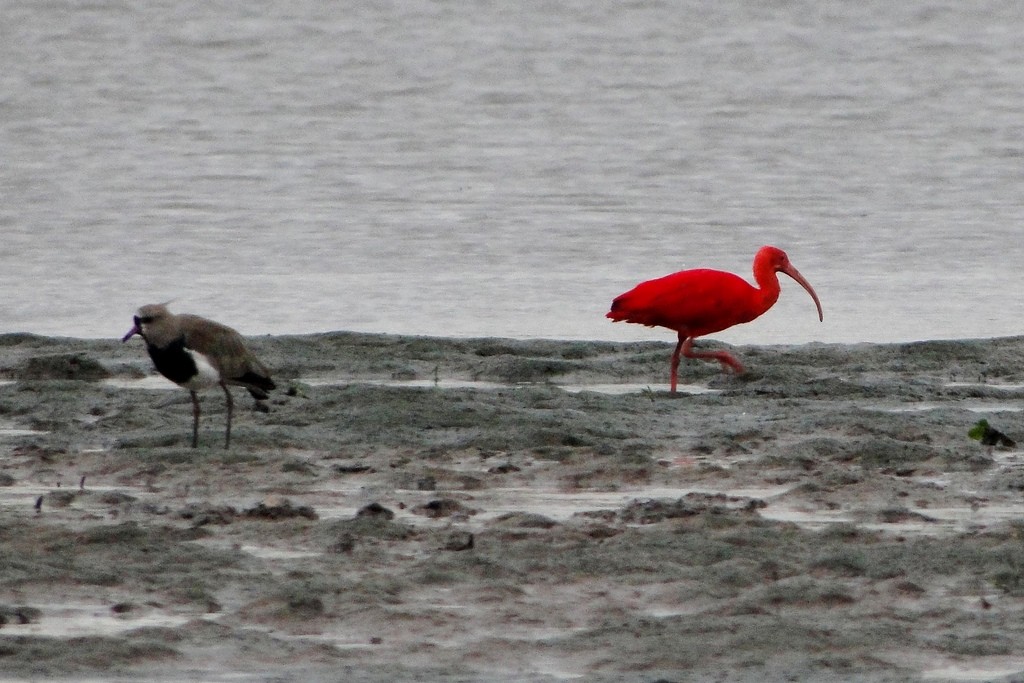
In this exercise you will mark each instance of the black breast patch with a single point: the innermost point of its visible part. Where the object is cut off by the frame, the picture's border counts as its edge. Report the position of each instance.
(173, 361)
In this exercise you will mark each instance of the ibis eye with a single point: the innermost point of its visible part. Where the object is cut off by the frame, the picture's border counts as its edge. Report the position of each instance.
(144, 320)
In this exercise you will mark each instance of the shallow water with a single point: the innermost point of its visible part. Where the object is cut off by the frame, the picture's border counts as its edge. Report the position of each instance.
(614, 389)
(978, 669)
(494, 169)
(69, 620)
(15, 431)
(924, 406)
(940, 521)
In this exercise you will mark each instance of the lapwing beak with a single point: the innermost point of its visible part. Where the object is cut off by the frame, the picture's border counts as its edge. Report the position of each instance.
(131, 333)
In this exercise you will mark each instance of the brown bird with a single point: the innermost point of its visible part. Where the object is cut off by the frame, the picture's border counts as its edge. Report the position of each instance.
(196, 353)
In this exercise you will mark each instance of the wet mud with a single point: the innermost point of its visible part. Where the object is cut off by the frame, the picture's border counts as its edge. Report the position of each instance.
(408, 508)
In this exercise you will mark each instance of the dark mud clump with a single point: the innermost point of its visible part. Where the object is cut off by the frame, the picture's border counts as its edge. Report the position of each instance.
(282, 510)
(61, 366)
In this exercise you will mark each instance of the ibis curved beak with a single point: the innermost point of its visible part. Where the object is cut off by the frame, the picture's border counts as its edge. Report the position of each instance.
(795, 274)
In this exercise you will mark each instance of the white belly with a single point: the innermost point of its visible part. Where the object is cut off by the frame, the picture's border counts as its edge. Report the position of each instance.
(206, 377)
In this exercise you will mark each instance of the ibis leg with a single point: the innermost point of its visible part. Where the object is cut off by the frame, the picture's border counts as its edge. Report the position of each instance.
(675, 360)
(724, 357)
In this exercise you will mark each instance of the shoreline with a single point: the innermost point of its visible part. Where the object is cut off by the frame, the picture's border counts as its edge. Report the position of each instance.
(280, 352)
(825, 516)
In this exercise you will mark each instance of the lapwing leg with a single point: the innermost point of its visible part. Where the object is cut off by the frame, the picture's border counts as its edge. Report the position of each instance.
(195, 419)
(231, 408)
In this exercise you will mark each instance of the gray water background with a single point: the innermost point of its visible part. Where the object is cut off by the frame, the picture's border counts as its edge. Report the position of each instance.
(506, 168)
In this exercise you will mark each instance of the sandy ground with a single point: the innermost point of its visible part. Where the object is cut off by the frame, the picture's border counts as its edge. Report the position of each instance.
(496, 510)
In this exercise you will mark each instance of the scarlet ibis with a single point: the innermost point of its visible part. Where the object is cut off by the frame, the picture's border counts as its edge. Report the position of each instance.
(196, 353)
(702, 301)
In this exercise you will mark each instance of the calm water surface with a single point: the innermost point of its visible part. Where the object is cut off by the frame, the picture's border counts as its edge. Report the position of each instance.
(495, 168)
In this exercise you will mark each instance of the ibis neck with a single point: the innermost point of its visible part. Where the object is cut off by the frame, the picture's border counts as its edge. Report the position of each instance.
(769, 288)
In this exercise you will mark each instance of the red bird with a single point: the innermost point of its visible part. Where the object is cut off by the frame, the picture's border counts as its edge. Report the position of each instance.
(702, 301)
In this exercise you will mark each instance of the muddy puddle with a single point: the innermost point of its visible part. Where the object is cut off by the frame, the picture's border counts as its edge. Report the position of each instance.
(931, 521)
(9, 430)
(973, 406)
(155, 382)
(65, 620)
(989, 669)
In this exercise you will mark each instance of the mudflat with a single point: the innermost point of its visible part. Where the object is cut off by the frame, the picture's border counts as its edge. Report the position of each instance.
(433, 509)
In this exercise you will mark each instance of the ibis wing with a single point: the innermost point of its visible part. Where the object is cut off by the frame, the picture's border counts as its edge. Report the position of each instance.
(695, 302)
